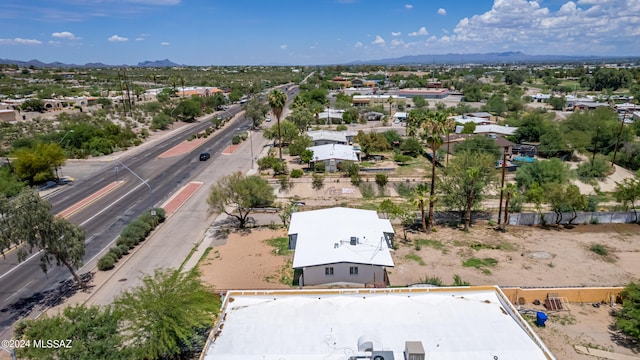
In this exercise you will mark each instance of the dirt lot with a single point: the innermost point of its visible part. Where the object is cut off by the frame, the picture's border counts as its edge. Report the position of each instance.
(525, 257)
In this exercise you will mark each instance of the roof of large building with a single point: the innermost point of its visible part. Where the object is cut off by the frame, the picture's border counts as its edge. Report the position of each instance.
(342, 324)
(320, 230)
(334, 151)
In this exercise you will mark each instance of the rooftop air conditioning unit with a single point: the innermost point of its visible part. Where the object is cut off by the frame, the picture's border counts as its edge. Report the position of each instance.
(354, 240)
(413, 350)
(382, 355)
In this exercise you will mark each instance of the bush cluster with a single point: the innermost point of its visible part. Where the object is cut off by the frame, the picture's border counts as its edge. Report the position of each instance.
(133, 234)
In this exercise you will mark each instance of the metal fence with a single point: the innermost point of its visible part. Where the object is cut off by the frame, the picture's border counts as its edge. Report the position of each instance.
(615, 217)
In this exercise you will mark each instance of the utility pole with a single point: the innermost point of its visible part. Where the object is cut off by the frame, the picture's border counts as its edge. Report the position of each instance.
(504, 163)
(595, 142)
(615, 152)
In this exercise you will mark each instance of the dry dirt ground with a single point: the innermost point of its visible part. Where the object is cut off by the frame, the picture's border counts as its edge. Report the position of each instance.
(526, 256)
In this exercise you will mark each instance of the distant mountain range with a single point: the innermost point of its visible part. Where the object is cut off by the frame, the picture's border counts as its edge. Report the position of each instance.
(511, 57)
(40, 64)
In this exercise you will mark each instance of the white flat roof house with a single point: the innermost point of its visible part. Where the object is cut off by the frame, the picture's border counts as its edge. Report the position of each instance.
(323, 137)
(495, 129)
(341, 245)
(333, 155)
(366, 324)
(463, 119)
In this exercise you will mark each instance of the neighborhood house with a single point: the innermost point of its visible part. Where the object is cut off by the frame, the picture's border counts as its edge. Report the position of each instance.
(341, 246)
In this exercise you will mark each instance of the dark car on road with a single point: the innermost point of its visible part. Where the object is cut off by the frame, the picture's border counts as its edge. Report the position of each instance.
(205, 156)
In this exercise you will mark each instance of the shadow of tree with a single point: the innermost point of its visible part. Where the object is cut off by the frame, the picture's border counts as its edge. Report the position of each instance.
(23, 307)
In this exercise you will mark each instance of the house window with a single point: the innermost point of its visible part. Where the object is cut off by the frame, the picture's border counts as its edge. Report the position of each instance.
(353, 270)
(328, 271)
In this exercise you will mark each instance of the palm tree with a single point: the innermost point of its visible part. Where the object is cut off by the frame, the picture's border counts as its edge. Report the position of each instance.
(419, 197)
(435, 127)
(473, 174)
(277, 100)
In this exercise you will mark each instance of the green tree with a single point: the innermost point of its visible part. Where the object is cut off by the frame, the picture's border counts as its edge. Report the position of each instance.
(496, 104)
(287, 212)
(627, 193)
(479, 144)
(299, 144)
(35, 105)
(420, 196)
(28, 222)
(237, 196)
(167, 313)
(277, 100)
(628, 317)
(420, 102)
(370, 142)
(435, 128)
(411, 146)
(557, 102)
(189, 109)
(37, 165)
(306, 156)
(565, 198)
(160, 122)
(302, 118)
(467, 180)
(10, 185)
(350, 116)
(542, 173)
(93, 333)
(256, 110)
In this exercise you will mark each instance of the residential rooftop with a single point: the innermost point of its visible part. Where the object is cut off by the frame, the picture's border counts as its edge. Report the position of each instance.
(347, 324)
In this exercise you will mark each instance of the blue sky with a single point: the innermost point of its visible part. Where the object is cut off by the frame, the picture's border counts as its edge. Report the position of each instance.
(309, 32)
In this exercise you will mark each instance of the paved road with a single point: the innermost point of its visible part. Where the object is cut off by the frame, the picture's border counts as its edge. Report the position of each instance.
(22, 286)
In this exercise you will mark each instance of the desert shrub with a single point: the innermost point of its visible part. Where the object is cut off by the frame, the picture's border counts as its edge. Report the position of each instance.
(381, 180)
(116, 251)
(236, 140)
(124, 249)
(404, 189)
(356, 179)
(317, 181)
(267, 162)
(432, 280)
(599, 249)
(107, 262)
(319, 167)
(279, 168)
(367, 191)
(296, 173)
(457, 281)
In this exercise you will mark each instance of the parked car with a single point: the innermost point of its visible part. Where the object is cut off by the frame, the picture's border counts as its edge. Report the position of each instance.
(205, 156)
(268, 119)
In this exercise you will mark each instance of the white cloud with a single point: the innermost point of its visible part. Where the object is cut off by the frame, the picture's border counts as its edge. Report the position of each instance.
(581, 27)
(53, 42)
(358, 44)
(378, 41)
(140, 39)
(283, 46)
(422, 32)
(396, 33)
(20, 41)
(164, 43)
(64, 35)
(397, 42)
(442, 11)
(409, 6)
(116, 38)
